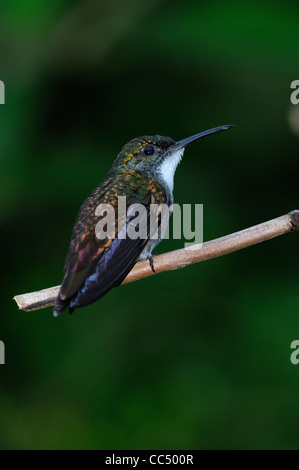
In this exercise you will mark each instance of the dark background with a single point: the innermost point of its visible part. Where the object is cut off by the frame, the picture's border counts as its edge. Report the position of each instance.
(197, 358)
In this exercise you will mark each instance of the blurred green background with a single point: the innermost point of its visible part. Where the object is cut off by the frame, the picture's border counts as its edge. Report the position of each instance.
(197, 358)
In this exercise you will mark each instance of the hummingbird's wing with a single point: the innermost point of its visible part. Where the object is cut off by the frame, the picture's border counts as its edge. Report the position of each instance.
(97, 264)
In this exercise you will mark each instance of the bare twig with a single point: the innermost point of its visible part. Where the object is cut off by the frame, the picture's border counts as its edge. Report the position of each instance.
(180, 258)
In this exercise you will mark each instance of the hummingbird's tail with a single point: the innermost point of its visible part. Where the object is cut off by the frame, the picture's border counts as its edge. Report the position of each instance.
(60, 305)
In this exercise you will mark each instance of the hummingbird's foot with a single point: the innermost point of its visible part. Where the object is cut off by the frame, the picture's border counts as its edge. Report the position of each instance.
(151, 261)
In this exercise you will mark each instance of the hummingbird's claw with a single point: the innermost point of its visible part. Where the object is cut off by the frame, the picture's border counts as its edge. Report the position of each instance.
(151, 262)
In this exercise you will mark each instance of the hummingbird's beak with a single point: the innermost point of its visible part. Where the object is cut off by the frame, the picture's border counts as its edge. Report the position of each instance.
(182, 143)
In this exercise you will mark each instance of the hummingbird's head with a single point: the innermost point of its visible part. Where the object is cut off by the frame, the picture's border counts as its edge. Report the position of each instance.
(157, 155)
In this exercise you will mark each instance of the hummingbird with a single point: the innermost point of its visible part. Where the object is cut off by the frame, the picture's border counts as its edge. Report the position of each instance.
(143, 173)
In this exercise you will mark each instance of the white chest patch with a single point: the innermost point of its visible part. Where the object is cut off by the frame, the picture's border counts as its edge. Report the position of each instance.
(168, 167)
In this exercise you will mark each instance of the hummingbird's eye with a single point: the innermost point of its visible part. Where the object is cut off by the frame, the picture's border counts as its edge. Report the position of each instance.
(148, 150)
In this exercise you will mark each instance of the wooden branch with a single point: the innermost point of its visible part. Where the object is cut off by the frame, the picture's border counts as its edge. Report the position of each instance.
(180, 258)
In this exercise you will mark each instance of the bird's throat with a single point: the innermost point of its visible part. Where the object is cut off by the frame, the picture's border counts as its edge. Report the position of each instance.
(168, 167)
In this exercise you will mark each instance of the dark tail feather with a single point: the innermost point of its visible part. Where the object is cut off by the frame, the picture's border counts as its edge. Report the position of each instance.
(71, 309)
(60, 305)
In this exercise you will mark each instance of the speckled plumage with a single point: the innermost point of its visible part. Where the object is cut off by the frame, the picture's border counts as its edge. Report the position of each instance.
(143, 172)
(87, 253)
